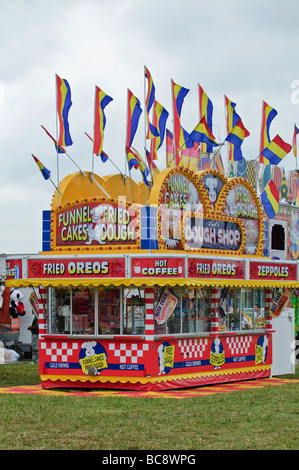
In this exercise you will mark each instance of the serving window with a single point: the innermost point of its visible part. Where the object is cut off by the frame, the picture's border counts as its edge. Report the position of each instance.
(241, 309)
(189, 310)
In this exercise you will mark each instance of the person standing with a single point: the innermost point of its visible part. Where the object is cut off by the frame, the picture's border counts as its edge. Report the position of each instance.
(34, 339)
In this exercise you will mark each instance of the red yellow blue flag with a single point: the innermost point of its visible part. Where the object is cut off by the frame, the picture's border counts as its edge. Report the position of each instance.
(57, 147)
(169, 148)
(64, 103)
(160, 115)
(135, 161)
(270, 199)
(44, 171)
(205, 110)
(232, 118)
(134, 111)
(237, 134)
(152, 131)
(180, 135)
(101, 101)
(275, 151)
(296, 131)
(268, 114)
(104, 156)
(202, 133)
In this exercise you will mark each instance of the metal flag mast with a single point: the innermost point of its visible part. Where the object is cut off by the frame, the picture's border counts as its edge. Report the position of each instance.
(126, 142)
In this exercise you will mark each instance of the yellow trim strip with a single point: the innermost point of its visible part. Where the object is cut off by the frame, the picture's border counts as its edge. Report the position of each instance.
(149, 282)
(151, 380)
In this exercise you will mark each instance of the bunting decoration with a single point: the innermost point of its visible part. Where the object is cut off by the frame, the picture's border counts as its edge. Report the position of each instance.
(64, 103)
(152, 131)
(270, 199)
(101, 101)
(205, 110)
(134, 112)
(268, 114)
(275, 151)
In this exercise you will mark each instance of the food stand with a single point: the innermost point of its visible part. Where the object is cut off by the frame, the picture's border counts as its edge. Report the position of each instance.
(155, 291)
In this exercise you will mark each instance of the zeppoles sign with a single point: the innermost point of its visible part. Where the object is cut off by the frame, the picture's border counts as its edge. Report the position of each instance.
(96, 224)
(284, 271)
(204, 233)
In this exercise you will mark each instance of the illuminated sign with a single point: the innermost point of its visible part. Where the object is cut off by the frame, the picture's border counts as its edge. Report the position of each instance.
(157, 267)
(210, 234)
(88, 267)
(205, 268)
(261, 270)
(96, 225)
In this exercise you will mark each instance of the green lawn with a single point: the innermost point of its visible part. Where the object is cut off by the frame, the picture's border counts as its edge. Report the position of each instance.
(265, 418)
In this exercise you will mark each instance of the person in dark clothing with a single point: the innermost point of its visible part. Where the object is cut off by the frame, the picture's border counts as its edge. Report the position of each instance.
(34, 339)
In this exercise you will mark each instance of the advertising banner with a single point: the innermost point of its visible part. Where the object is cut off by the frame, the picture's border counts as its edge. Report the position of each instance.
(269, 271)
(278, 304)
(166, 306)
(72, 268)
(157, 267)
(225, 269)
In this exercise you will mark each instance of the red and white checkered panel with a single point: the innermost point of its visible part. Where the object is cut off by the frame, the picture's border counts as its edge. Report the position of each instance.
(193, 348)
(126, 352)
(63, 352)
(239, 344)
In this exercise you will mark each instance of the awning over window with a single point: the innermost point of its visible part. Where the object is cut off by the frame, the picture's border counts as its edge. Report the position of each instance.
(94, 282)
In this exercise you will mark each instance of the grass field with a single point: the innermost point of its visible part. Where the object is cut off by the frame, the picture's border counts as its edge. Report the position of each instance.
(260, 419)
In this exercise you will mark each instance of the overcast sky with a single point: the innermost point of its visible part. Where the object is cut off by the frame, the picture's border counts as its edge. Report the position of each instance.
(244, 49)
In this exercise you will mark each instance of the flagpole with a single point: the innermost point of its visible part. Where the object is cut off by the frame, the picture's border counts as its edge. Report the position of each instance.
(145, 125)
(58, 192)
(57, 159)
(92, 148)
(108, 158)
(173, 141)
(126, 143)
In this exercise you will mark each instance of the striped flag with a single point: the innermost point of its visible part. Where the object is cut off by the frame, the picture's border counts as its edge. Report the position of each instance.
(270, 199)
(275, 151)
(169, 148)
(57, 147)
(205, 110)
(101, 101)
(152, 131)
(237, 134)
(64, 103)
(268, 114)
(296, 131)
(232, 118)
(160, 116)
(134, 111)
(44, 171)
(178, 96)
